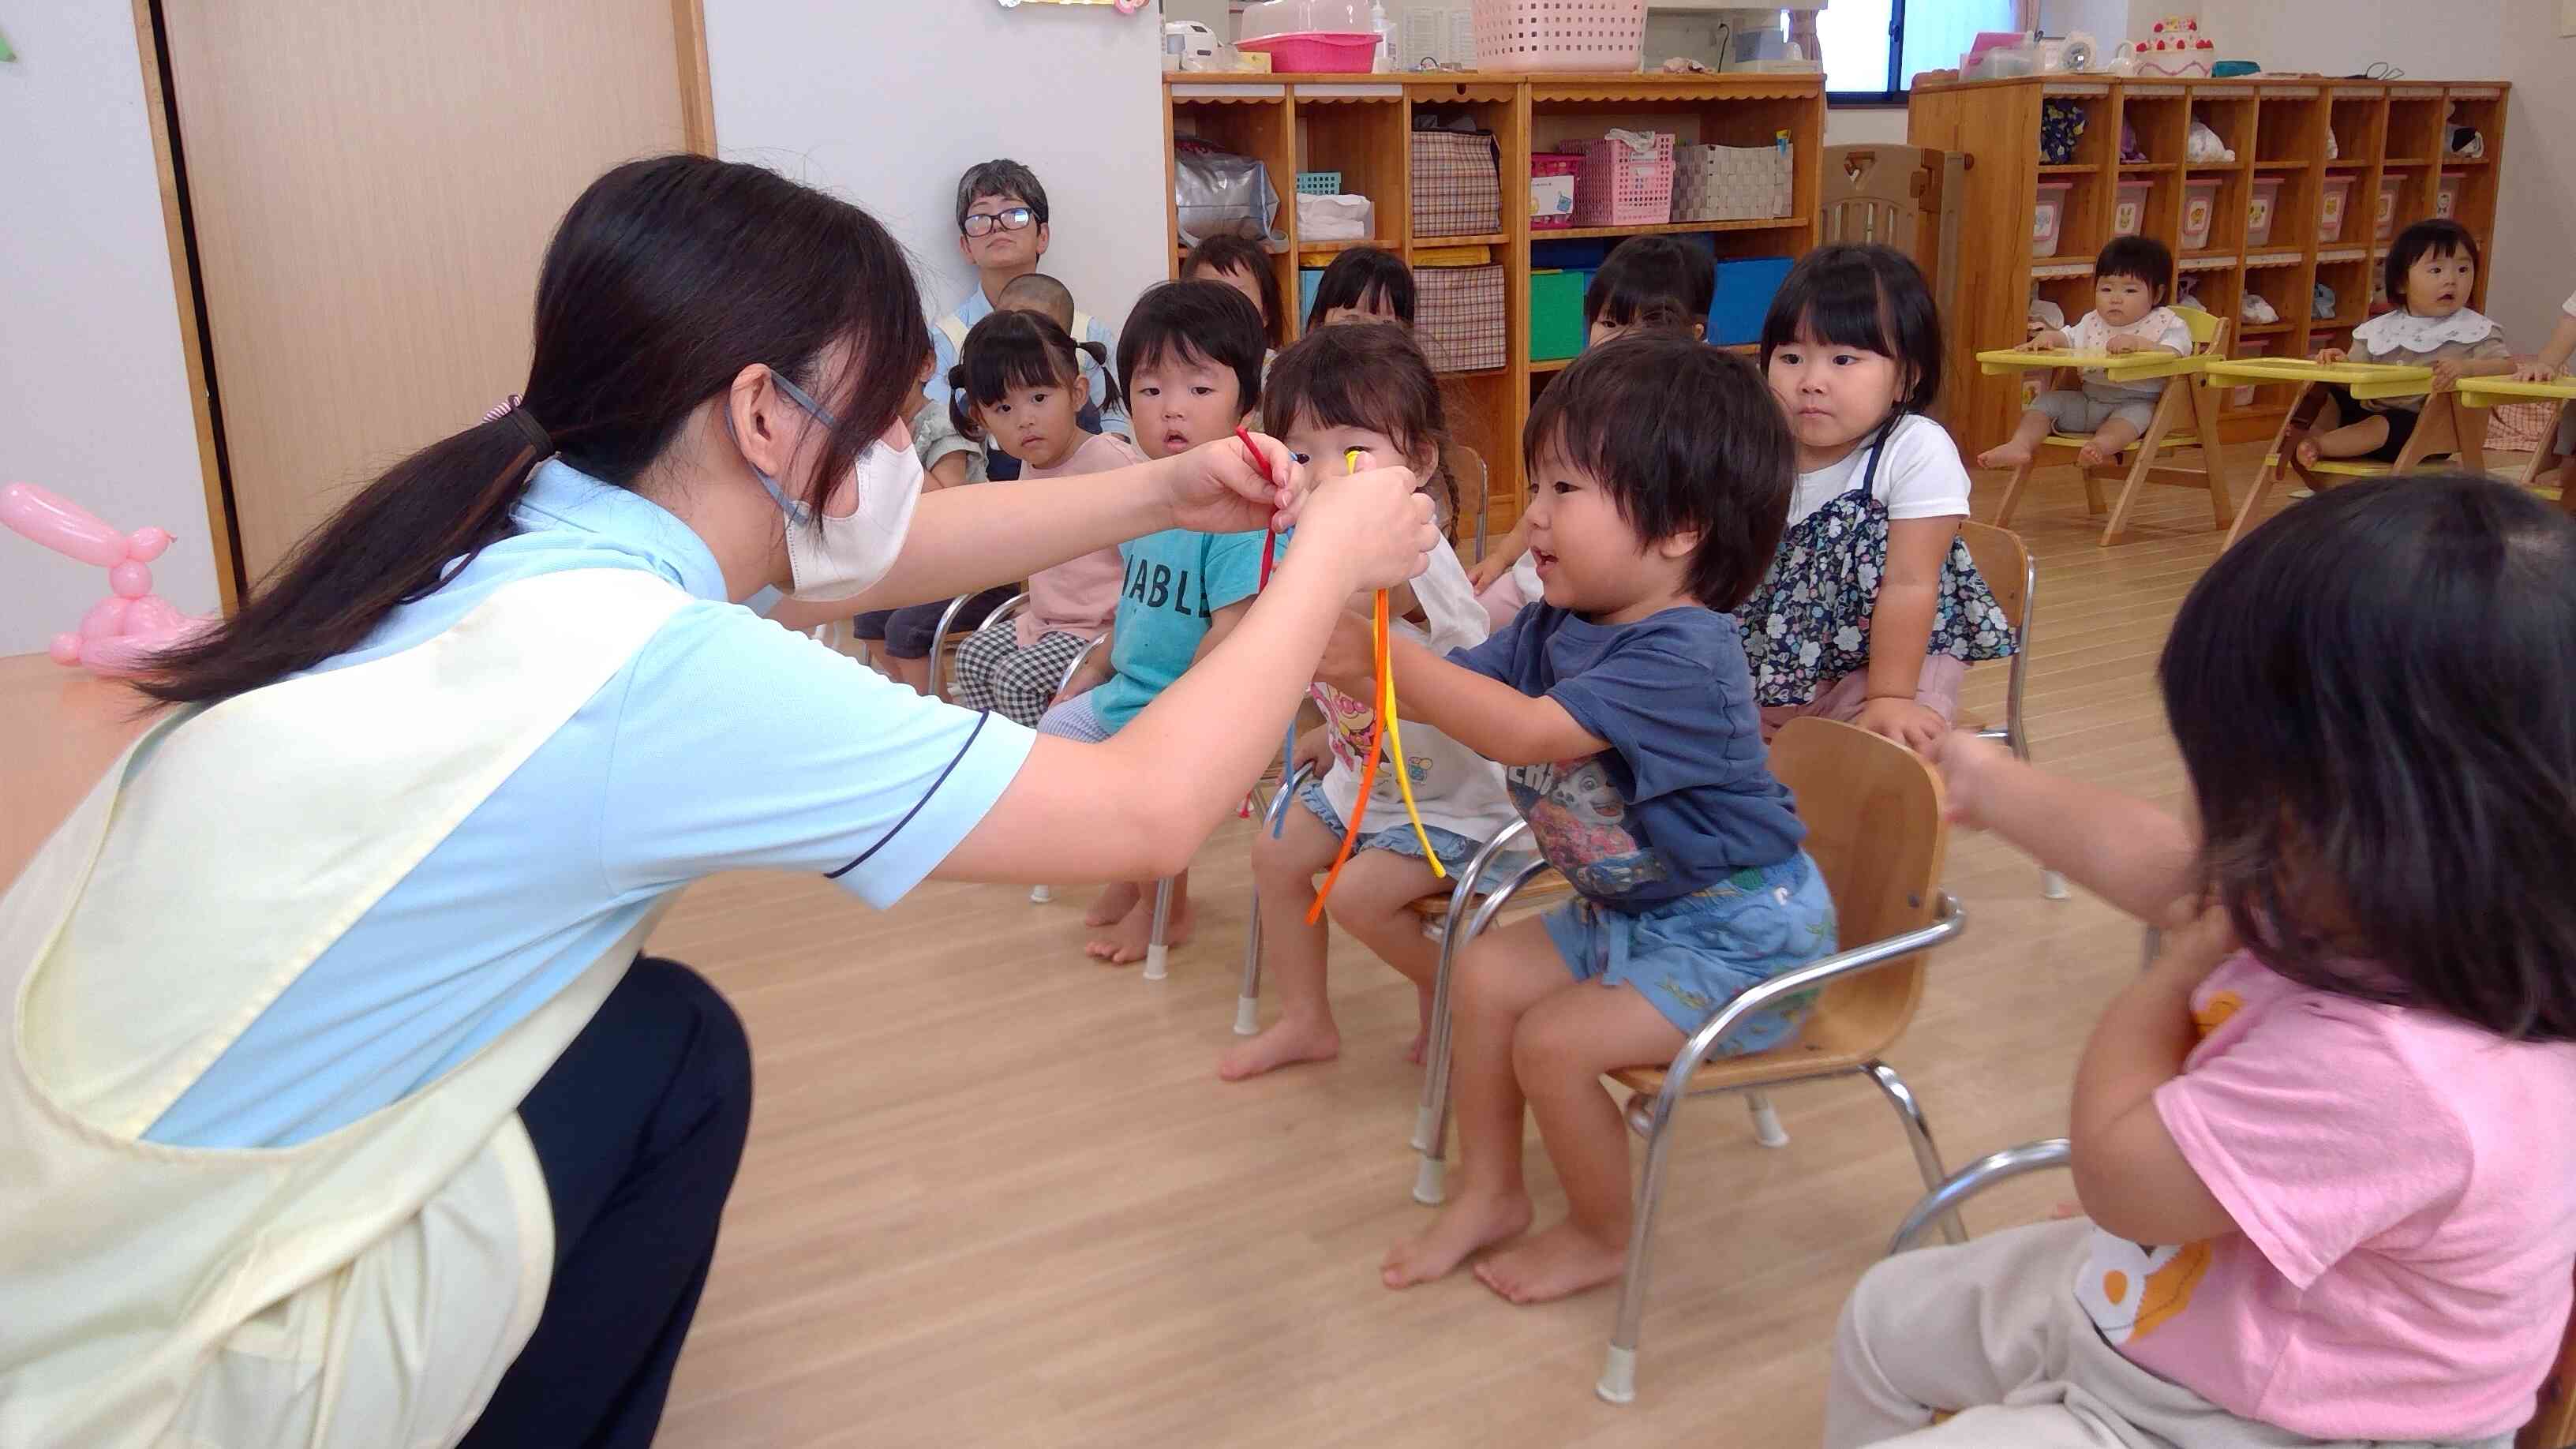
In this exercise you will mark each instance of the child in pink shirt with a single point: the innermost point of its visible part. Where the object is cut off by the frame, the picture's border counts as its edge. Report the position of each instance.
(1020, 385)
(2320, 1142)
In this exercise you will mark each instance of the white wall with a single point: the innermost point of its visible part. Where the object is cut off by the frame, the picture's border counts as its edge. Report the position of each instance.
(885, 103)
(93, 387)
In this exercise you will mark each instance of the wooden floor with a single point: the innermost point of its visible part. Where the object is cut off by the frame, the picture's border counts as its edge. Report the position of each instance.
(995, 1194)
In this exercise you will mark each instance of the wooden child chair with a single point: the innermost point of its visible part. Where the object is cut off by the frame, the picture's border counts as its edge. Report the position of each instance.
(1873, 814)
(2185, 417)
(2446, 426)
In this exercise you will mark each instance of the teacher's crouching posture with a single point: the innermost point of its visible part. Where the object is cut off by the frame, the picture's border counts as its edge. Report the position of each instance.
(339, 1108)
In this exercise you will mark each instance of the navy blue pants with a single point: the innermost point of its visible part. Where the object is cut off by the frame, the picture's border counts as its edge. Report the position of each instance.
(638, 1127)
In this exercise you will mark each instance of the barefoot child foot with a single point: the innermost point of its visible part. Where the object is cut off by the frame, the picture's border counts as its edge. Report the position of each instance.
(1114, 902)
(2006, 455)
(1124, 944)
(1473, 1221)
(1564, 1260)
(1287, 1042)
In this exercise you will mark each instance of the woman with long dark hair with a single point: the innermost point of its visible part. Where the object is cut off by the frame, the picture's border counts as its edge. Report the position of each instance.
(342, 1110)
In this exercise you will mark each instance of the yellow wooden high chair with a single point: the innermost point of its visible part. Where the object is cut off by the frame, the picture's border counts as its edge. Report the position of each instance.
(2185, 417)
(2545, 470)
(2446, 425)
(1874, 826)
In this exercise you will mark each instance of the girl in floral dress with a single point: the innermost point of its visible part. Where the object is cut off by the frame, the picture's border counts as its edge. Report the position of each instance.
(1873, 610)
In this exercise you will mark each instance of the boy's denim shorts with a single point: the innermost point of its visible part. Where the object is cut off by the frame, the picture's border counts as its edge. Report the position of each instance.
(1692, 955)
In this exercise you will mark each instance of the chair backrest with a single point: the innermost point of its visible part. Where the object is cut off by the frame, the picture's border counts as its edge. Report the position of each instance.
(2208, 330)
(1874, 825)
(1467, 469)
(2003, 561)
(1906, 197)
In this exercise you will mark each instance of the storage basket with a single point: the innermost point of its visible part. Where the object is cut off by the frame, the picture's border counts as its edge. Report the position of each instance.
(1457, 184)
(1623, 182)
(2332, 205)
(1552, 190)
(1521, 36)
(2260, 209)
(1458, 314)
(2048, 217)
(2383, 217)
(1731, 183)
(1319, 183)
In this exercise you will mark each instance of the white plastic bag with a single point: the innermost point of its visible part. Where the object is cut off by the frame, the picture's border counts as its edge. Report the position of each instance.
(1335, 218)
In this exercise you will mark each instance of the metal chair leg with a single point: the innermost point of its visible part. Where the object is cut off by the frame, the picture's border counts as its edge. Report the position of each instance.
(1431, 1120)
(1766, 1120)
(1158, 956)
(1040, 895)
(1918, 1135)
(1247, 1003)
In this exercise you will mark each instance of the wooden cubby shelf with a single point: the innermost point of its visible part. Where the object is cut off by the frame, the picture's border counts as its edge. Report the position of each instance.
(2383, 134)
(1359, 125)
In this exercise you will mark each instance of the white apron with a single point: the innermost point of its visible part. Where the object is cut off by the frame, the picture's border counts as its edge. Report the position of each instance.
(367, 1287)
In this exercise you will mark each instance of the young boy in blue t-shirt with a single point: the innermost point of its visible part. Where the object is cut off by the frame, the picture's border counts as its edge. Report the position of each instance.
(1190, 361)
(1623, 710)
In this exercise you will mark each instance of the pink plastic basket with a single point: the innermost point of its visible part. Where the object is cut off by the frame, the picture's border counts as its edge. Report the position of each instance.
(1559, 35)
(1622, 185)
(1317, 52)
(1547, 166)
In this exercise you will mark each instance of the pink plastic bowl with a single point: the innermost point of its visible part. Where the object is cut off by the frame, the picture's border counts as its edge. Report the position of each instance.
(1313, 52)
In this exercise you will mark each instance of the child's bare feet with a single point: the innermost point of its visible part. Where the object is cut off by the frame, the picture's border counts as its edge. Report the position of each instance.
(1115, 901)
(1474, 1221)
(1287, 1042)
(2091, 455)
(1562, 1261)
(1124, 944)
(2307, 452)
(2010, 454)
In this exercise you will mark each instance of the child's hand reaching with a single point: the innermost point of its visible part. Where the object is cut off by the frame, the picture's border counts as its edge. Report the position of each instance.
(1904, 721)
(1968, 766)
(2330, 355)
(2188, 953)
(2126, 343)
(2534, 371)
(1371, 523)
(1312, 751)
(1350, 657)
(1489, 568)
(2446, 374)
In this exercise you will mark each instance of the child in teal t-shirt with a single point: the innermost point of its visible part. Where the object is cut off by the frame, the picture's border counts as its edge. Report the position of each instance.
(1189, 360)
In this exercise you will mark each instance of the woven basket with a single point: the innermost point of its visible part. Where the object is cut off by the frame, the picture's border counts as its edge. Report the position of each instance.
(1621, 184)
(1522, 36)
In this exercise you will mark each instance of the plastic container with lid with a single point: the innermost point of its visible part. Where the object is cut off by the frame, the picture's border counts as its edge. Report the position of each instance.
(2129, 205)
(2259, 210)
(1310, 36)
(2199, 210)
(2332, 206)
(2446, 196)
(2383, 217)
(2048, 217)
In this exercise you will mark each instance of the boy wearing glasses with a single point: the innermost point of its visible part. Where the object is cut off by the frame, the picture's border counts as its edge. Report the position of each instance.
(1002, 232)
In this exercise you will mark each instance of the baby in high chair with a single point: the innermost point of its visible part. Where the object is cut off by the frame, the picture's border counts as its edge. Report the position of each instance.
(2128, 316)
(2431, 271)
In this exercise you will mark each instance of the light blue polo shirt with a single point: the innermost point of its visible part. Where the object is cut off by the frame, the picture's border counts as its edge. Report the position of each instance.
(727, 742)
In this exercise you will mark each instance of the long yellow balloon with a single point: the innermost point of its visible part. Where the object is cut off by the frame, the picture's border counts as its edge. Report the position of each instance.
(1391, 724)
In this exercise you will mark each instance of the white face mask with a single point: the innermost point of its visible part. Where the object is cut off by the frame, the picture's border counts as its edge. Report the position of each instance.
(833, 558)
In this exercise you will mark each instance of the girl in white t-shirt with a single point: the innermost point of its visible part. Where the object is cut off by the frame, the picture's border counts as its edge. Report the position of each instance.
(1366, 387)
(1873, 610)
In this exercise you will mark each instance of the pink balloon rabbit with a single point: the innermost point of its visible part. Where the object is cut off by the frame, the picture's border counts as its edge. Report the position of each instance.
(120, 633)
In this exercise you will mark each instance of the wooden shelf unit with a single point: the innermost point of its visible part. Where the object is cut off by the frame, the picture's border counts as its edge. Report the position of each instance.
(1359, 124)
(2277, 125)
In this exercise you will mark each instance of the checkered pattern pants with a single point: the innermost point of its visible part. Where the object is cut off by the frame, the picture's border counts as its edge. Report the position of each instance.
(995, 673)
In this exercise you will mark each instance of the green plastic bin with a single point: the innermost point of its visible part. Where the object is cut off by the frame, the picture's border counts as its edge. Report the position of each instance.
(1556, 313)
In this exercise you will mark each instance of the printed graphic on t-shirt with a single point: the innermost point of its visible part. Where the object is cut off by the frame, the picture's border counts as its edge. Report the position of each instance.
(1160, 586)
(2129, 1289)
(1349, 723)
(1584, 826)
